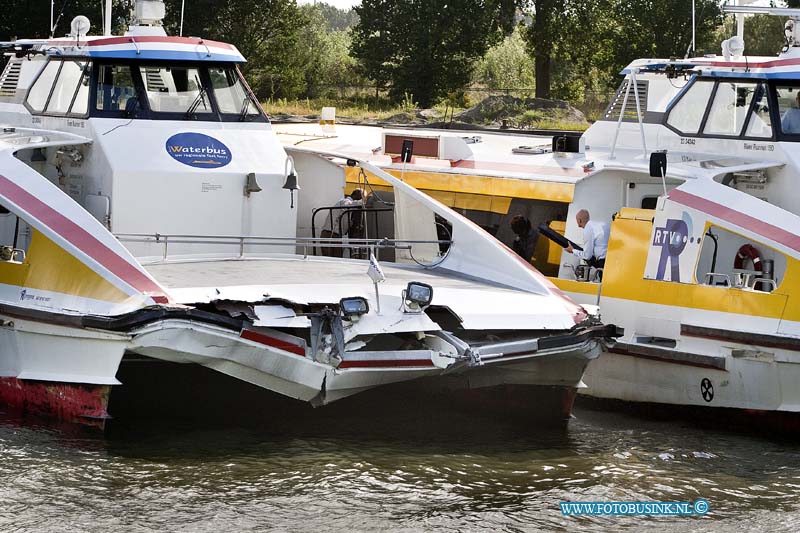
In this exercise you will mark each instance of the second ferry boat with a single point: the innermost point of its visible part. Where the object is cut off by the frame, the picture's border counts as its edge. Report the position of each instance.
(694, 168)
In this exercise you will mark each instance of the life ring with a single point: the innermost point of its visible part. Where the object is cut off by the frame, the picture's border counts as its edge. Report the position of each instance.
(748, 251)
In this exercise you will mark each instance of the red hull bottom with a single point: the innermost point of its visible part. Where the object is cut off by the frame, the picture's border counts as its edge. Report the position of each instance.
(71, 402)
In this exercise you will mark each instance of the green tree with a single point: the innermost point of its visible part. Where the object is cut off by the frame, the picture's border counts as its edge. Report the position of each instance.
(763, 34)
(427, 47)
(506, 65)
(267, 32)
(325, 54)
(337, 19)
(605, 35)
(27, 19)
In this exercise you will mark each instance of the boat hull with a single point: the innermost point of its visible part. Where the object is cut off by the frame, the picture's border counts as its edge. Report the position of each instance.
(748, 383)
(160, 389)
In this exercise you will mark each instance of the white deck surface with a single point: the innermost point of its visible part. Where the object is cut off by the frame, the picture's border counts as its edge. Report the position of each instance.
(481, 305)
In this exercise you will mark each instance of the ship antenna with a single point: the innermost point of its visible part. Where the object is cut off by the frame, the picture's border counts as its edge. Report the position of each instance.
(54, 24)
(183, 5)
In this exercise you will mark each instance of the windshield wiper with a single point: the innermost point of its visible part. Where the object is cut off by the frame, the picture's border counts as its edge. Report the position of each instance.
(199, 99)
(245, 107)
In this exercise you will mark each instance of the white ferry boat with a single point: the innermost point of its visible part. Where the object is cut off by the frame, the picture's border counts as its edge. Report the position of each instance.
(704, 250)
(148, 209)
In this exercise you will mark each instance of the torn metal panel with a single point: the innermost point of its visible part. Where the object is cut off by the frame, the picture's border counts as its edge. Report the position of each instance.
(279, 316)
(374, 324)
(236, 309)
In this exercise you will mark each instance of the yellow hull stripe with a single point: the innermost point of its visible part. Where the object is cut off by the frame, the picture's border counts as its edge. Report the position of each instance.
(49, 267)
(475, 185)
(625, 266)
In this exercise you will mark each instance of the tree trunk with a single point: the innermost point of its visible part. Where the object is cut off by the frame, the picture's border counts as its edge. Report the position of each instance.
(542, 62)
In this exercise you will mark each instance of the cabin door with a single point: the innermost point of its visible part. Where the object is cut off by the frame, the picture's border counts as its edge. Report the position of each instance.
(643, 195)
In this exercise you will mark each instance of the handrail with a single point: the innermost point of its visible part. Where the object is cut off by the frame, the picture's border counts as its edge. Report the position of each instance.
(345, 210)
(245, 240)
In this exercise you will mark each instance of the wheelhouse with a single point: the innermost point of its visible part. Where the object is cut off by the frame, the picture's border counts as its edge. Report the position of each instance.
(154, 90)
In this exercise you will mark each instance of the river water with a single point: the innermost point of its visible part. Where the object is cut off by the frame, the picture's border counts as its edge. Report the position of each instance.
(458, 474)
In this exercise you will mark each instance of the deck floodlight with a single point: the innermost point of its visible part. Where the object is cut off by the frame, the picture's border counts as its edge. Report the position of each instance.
(417, 296)
(352, 308)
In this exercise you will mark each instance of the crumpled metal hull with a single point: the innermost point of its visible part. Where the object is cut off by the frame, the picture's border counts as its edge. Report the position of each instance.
(279, 363)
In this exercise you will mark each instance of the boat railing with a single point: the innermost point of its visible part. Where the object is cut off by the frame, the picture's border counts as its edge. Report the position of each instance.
(356, 225)
(243, 243)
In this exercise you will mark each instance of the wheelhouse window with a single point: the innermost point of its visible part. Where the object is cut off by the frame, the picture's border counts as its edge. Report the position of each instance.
(182, 91)
(723, 108)
(788, 99)
(116, 90)
(729, 109)
(62, 88)
(231, 94)
(176, 90)
(687, 115)
(760, 122)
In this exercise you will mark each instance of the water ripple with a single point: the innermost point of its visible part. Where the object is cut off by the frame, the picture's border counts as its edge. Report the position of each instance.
(187, 479)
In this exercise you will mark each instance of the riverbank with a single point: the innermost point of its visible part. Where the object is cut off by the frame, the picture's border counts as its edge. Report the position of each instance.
(492, 112)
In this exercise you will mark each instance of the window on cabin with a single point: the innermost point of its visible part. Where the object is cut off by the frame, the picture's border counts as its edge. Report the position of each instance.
(231, 95)
(760, 122)
(687, 115)
(66, 87)
(40, 91)
(729, 109)
(62, 88)
(81, 104)
(175, 90)
(115, 88)
(788, 98)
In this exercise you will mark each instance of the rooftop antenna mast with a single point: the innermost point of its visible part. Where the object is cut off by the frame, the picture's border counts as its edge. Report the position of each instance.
(183, 5)
(690, 50)
(107, 18)
(694, 28)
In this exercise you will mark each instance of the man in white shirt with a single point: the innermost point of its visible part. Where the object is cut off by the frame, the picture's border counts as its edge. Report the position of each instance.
(595, 240)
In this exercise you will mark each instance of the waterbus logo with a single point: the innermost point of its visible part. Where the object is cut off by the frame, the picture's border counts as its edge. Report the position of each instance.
(198, 150)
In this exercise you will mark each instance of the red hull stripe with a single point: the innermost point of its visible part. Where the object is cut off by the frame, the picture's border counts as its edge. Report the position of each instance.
(272, 341)
(79, 238)
(145, 39)
(759, 227)
(367, 363)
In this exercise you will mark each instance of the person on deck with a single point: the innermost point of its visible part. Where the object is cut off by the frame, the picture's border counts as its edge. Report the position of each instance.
(790, 123)
(343, 224)
(524, 237)
(595, 240)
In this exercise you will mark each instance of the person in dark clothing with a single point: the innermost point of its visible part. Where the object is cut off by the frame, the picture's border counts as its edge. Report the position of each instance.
(524, 237)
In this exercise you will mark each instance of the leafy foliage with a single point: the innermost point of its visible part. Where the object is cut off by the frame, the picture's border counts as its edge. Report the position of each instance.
(426, 47)
(325, 53)
(267, 32)
(570, 37)
(506, 65)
